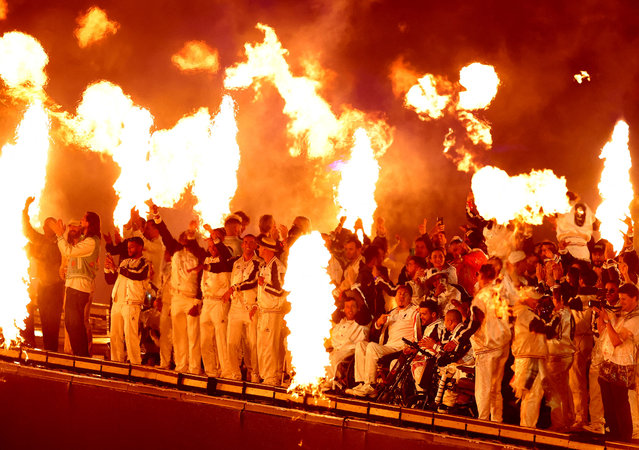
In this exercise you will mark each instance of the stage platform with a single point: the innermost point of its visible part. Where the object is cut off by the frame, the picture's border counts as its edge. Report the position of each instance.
(53, 400)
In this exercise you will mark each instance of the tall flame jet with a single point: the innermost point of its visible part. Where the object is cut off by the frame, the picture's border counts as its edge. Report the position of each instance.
(615, 187)
(356, 191)
(309, 320)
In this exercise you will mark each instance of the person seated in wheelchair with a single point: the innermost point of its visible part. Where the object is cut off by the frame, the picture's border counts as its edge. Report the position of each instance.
(390, 328)
(446, 354)
(344, 337)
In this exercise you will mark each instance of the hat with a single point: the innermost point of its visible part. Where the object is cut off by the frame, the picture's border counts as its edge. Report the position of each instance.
(456, 239)
(268, 242)
(232, 217)
(516, 257)
(435, 275)
(600, 246)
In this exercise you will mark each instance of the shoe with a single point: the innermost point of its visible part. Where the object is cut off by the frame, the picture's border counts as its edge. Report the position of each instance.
(255, 378)
(326, 385)
(364, 390)
(594, 428)
(355, 390)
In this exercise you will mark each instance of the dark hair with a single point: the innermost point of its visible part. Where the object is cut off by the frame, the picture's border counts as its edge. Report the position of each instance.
(262, 223)
(418, 260)
(456, 313)
(137, 240)
(488, 271)
(589, 277)
(407, 287)
(629, 289)
(370, 252)
(249, 235)
(93, 229)
(431, 305)
(354, 240)
(242, 215)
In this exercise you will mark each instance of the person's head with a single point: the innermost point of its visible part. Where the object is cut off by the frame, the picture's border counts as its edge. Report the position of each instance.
(265, 224)
(246, 220)
(588, 277)
(352, 248)
(573, 275)
(456, 248)
(74, 231)
(547, 250)
(612, 292)
(303, 224)
(439, 240)
(452, 319)
(249, 245)
(497, 263)
(413, 264)
(91, 224)
(531, 298)
(403, 296)
(267, 247)
(46, 227)
(372, 257)
(233, 225)
(628, 294)
(151, 231)
(486, 274)
(183, 238)
(598, 254)
(421, 249)
(428, 312)
(134, 247)
(350, 308)
(438, 258)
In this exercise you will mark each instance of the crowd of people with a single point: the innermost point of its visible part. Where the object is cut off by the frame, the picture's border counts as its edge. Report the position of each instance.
(560, 315)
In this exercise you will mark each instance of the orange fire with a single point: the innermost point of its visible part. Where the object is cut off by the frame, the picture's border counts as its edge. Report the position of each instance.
(309, 320)
(615, 187)
(93, 26)
(527, 197)
(196, 56)
(22, 174)
(356, 191)
(4, 9)
(582, 76)
(424, 97)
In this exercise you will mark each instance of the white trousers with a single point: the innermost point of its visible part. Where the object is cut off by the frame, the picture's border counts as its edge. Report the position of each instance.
(489, 373)
(213, 330)
(186, 335)
(269, 347)
(562, 413)
(124, 328)
(578, 378)
(531, 398)
(166, 334)
(595, 407)
(336, 357)
(366, 356)
(242, 340)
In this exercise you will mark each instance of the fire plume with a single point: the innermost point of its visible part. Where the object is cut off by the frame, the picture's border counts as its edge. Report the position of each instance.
(22, 174)
(309, 287)
(356, 191)
(196, 56)
(22, 63)
(480, 82)
(424, 97)
(4, 9)
(110, 123)
(216, 178)
(93, 26)
(526, 197)
(615, 186)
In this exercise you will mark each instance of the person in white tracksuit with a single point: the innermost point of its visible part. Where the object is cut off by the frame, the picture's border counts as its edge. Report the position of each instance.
(530, 351)
(216, 280)
(163, 304)
(271, 301)
(242, 318)
(131, 279)
(575, 228)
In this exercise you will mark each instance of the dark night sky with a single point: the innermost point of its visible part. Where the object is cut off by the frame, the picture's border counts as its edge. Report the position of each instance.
(541, 118)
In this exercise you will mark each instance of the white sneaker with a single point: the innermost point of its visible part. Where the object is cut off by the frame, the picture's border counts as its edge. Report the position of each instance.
(594, 428)
(355, 390)
(364, 390)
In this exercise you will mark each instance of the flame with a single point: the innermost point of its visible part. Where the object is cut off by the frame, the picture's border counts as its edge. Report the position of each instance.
(196, 56)
(22, 62)
(94, 26)
(615, 186)
(110, 123)
(481, 83)
(22, 174)
(309, 287)
(356, 190)
(312, 126)
(4, 9)
(216, 178)
(526, 197)
(582, 76)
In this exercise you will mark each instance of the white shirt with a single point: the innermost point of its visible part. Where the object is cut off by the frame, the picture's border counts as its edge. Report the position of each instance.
(400, 325)
(347, 333)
